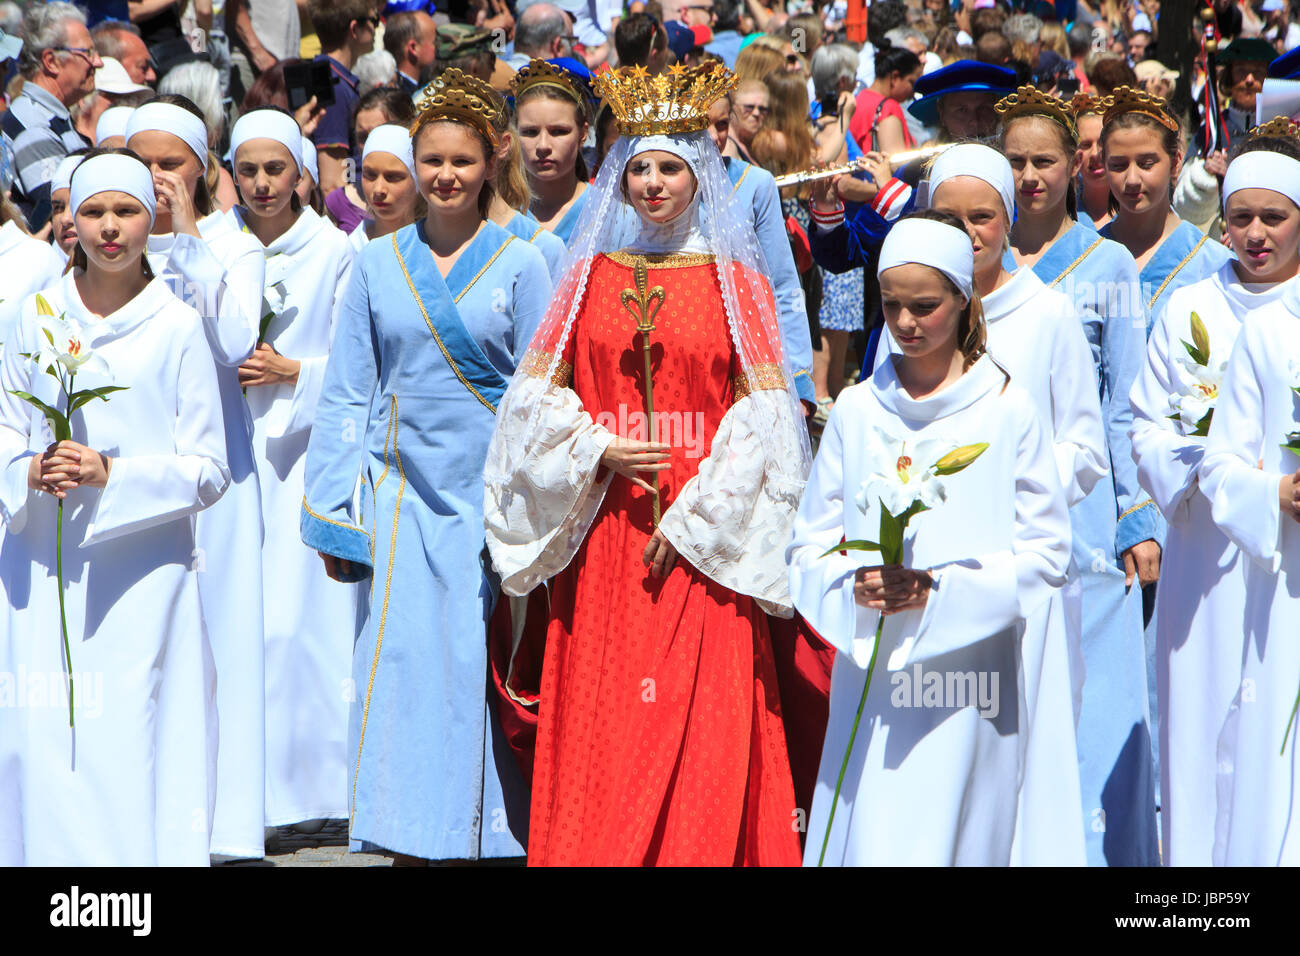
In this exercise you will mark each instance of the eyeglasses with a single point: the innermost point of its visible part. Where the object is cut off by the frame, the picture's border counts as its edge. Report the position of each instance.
(758, 108)
(83, 51)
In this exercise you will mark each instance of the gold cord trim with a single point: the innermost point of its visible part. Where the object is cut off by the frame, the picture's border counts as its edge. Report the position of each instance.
(383, 614)
(743, 173)
(540, 230)
(1145, 504)
(1071, 267)
(1177, 269)
(670, 260)
(478, 275)
(319, 517)
(438, 338)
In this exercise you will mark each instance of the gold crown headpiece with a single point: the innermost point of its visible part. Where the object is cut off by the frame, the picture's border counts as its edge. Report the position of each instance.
(1277, 126)
(1125, 99)
(1030, 101)
(461, 98)
(676, 101)
(1083, 103)
(539, 72)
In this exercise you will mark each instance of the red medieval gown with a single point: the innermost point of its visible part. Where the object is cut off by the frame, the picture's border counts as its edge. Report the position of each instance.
(660, 737)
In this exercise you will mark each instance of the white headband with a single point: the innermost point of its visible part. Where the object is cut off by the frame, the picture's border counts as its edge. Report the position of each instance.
(309, 160)
(63, 175)
(268, 124)
(930, 243)
(170, 118)
(112, 122)
(112, 172)
(972, 159)
(1263, 169)
(393, 139)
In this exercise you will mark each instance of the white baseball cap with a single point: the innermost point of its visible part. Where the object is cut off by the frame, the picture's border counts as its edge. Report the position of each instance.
(113, 78)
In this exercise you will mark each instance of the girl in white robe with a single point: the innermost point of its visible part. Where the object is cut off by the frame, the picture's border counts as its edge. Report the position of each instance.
(388, 184)
(1035, 333)
(936, 768)
(308, 620)
(132, 782)
(1201, 600)
(1250, 481)
(219, 271)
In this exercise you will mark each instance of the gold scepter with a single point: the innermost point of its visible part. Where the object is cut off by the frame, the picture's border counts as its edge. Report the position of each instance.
(643, 304)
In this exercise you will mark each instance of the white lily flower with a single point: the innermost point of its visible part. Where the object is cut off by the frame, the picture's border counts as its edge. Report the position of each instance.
(66, 343)
(912, 478)
(1198, 391)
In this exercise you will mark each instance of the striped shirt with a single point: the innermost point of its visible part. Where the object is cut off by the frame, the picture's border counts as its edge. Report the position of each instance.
(38, 130)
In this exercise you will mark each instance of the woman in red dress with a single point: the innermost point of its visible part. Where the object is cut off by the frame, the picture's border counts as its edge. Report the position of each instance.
(648, 460)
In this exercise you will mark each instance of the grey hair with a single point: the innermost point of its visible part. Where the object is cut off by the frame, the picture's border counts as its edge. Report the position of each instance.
(11, 17)
(900, 35)
(1024, 27)
(44, 26)
(538, 25)
(831, 63)
(375, 69)
(200, 83)
(108, 37)
(1079, 38)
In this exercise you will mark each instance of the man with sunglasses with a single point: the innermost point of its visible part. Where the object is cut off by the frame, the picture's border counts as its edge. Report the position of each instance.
(346, 29)
(58, 62)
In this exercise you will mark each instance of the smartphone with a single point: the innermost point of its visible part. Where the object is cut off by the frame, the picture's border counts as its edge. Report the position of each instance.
(302, 81)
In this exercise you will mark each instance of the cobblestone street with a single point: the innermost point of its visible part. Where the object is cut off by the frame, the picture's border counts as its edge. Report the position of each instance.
(329, 847)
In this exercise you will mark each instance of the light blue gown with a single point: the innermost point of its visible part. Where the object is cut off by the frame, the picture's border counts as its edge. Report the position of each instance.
(1187, 256)
(550, 245)
(569, 221)
(755, 189)
(417, 367)
(1116, 775)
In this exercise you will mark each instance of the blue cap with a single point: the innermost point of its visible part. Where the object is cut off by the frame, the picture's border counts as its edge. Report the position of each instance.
(409, 6)
(681, 39)
(1286, 66)
(956, 78)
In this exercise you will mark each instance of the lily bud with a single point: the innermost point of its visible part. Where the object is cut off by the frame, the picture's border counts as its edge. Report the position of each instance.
(959, 458)
(43, 307)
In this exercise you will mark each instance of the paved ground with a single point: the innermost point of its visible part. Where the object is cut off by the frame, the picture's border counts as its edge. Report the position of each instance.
(329, 847)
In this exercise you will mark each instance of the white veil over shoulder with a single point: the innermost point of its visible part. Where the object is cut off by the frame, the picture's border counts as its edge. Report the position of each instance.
(733, 520)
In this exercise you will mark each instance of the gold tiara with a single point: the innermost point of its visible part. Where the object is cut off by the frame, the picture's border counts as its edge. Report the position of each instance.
(461, 98)
(539, 72)
(1082, 103)
(676, 101)
(1125, 99)
(1277, 126)
(1030, 101)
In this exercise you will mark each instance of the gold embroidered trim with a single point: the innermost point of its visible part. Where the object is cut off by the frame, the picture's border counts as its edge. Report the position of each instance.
(1177, 269)
(438, 338)
(319, 517)
(383, 614)
(767, 375)
(1071, 267)
(1145, 504)
(672, 260)
(537, 363)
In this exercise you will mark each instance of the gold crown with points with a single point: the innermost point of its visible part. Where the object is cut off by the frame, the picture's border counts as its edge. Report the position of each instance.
(675, 101)
(539, 72)
(1031, 101)
(1084, 103)
(461, 98)
(1125, 99)
(1277, 126)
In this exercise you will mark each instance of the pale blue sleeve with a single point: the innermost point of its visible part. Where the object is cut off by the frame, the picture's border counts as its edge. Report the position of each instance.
(793, 315)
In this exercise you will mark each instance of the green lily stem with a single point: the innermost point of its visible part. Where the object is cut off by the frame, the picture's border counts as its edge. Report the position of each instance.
(1289, 721)
(63, 614)
(871, 665)
(58, 564)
